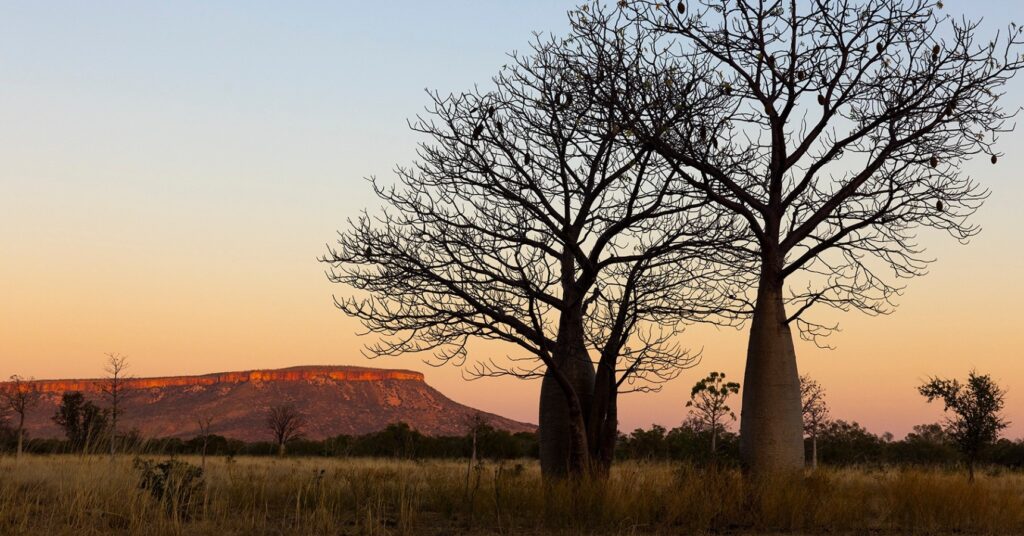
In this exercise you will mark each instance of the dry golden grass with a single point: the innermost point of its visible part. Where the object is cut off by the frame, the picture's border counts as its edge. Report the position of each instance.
(72, 495)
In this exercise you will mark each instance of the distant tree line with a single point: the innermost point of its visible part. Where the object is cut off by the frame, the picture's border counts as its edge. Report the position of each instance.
(840, 443)
(397, 440)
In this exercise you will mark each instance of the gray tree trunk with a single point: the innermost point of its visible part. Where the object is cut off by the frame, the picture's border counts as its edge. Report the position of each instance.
(814, 451)
(771, 426)
(559, 432)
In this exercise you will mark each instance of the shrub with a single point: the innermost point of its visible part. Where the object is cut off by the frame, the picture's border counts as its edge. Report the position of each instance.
(176, 484)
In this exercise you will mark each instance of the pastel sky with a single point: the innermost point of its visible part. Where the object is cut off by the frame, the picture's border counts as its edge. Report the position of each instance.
(170, 171)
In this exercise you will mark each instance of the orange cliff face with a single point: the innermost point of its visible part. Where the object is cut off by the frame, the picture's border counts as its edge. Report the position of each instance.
(344, 374)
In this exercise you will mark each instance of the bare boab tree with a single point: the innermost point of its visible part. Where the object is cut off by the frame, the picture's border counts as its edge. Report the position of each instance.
(836, 130)
(286, 424)
(533, 219)
(18, 396)
(114, 389)
(976, 406)
(814, 411)
(709, 404)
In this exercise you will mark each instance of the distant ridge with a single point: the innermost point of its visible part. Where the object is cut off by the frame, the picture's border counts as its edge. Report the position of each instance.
(335, 400)
(338, 373)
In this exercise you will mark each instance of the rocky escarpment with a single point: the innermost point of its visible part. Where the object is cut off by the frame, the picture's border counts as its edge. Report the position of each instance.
(249, 376)
(334, 400)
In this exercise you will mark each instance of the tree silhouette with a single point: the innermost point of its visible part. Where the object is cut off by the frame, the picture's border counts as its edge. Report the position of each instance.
(286, 424)
(814, 411)
(533, 218)
(18, 396)
(708, 403)
(205, 423)
(975, 422)
(835, 130)
(83, 422)
(114, 390)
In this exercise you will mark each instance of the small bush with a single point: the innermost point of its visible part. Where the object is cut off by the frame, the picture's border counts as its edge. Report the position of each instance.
(177, 485)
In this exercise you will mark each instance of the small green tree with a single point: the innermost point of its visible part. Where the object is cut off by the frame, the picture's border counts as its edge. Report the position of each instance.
(814, 411)
(708, 403)
(975, 422)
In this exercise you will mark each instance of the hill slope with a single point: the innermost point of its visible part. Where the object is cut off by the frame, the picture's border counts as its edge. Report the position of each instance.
(335, 400)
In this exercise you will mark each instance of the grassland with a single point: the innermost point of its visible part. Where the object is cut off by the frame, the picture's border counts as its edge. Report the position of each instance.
(65, 495)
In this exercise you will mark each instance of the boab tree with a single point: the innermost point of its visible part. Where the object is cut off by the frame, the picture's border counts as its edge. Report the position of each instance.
(814, 411)
(976, 421)
(286, 424)
(836, 129)
(533, 218)
(18, 396)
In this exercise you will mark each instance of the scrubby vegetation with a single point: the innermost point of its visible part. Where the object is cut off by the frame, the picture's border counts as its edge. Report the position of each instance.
(58, 495)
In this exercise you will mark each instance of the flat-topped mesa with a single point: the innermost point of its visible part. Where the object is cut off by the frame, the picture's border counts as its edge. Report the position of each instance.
(292, 374)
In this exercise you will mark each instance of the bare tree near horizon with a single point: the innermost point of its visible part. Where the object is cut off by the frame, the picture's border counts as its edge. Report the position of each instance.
(205, 422)
(814, 411)
(475, 422)
(709, 404)
(836, 130)
(18, 396)
(286, 424)
(976, 407)
(114, 391)
(532, 219)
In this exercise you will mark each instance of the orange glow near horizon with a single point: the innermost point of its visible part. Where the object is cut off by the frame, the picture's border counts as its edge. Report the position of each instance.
(59, 323)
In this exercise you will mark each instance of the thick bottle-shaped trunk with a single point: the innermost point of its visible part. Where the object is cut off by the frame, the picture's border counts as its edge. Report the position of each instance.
(21, 440)
(771, 427)
(562, 428)
(814, 451)
(603, 424)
